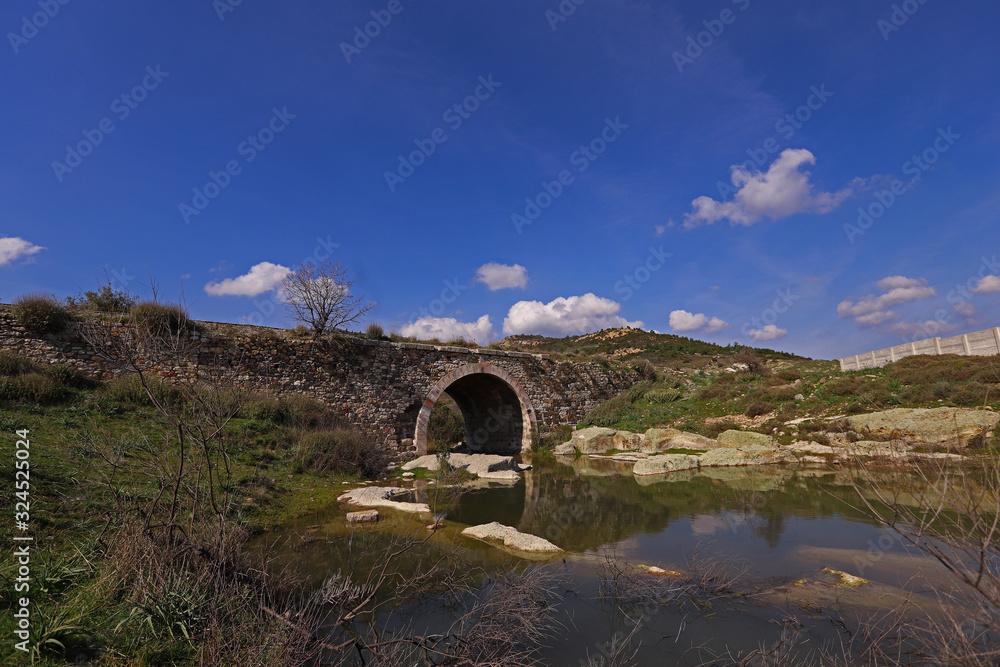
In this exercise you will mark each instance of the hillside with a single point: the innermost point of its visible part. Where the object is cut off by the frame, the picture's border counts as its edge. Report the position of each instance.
(629, 345)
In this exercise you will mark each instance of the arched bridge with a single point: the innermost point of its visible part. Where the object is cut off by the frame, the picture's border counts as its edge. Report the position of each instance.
(392, 388)
(386, 387)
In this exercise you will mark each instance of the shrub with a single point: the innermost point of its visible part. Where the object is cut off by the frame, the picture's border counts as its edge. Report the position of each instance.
(261, 408)
(846, 386)
(32, 388)
(754, 363)
(614, 409)
(128, 390)
(301, 331)
(790, 375)
(645, 369)
(12, 364)
(346, 449)
(375, 331)
(159, 318)
(39, 313)
(855, 408)
(662, 395)
(68, 376)
(758, 409)
(715, 428)
(105, 300)
(305, 412)
(557, 436)
(784, 393)
(445, 428)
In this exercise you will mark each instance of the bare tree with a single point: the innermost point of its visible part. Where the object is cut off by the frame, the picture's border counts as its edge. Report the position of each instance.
(319, 295)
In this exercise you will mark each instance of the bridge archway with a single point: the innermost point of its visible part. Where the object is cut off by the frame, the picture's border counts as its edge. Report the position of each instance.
(499, 416)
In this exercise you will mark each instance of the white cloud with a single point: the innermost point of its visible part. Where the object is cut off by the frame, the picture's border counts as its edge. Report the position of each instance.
(783, 190)
(928, 329)
(565, 316)
(501, 276)
(662, 229)
(448, 328)
(683, 321)
(13, 248)
(988, 285)
(965, 309)
(769, 332)
(876, 318)
(894, 282)
(873, 310)
(261, 278)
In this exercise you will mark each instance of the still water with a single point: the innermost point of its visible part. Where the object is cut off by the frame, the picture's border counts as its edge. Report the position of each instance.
(780, 526)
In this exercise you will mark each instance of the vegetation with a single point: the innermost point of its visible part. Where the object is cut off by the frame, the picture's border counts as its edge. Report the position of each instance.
(105, 299)
(700, 401)
(664, 351)
(446, 427)
(159, 318)
(319, 295)
(39, 313)
(375, 331)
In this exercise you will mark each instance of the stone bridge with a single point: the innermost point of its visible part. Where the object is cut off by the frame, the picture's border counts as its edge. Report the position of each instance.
(385, 387)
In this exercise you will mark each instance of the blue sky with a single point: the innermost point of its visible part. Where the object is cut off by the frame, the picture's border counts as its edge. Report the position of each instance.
(810, 176)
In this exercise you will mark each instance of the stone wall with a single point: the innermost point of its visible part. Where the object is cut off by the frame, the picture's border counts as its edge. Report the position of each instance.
(980, 343)
(378, 385)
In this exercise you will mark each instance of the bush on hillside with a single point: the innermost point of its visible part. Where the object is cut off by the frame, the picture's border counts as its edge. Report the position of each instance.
(375, 331)
(345, 449)
(127, 389)
(40, 313)
(159, 318)
(758, 409)
(34, 388)
(106, 299)
(753, 362)
(13, 364)
(68, 376)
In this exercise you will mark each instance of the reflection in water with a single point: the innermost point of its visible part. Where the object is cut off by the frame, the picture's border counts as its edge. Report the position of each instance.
(784, 523)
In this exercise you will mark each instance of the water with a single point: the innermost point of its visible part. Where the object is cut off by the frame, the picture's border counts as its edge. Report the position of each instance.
(782, 525)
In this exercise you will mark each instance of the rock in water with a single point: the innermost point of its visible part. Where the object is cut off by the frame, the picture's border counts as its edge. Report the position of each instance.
(657, 465)
(944, 427)
(741, 439)
(661, 439)
(512, 539)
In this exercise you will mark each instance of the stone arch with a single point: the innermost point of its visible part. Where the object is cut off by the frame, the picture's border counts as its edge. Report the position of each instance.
(499, 416)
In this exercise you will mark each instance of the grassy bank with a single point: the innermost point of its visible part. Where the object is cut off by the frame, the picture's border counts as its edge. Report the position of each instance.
(765, 398)
(108, 580)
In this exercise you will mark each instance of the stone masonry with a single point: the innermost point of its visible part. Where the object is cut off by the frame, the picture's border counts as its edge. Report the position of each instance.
(384, 387)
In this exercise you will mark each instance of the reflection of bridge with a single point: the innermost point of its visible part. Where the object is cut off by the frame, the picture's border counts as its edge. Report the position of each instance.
(583, 504)
(389, 388)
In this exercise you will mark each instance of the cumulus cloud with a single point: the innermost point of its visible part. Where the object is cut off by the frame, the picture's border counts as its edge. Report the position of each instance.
(920, 330)
(965, 309)
(565, 316)
(769, 332)
(875, 309)
(988, 285)
(783, 190)
(896, 282)
(449, 328)
(13, 248)
(501, 276)
(261, 278)
(684, 322)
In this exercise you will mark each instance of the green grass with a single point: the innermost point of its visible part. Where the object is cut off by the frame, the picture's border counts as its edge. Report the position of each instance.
(686, 402)
(72, 502)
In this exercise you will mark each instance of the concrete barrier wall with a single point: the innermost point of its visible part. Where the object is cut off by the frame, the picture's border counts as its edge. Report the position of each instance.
(981, 343)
